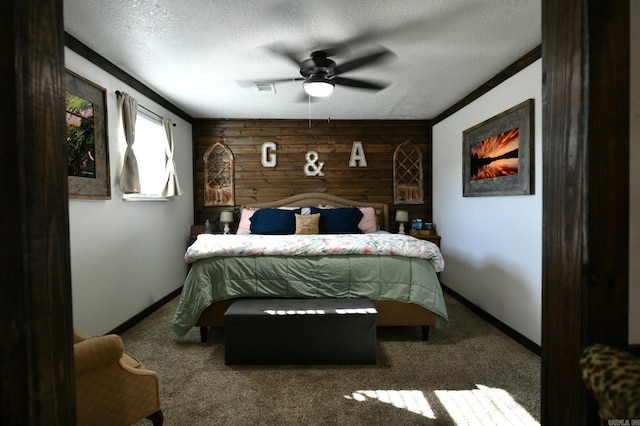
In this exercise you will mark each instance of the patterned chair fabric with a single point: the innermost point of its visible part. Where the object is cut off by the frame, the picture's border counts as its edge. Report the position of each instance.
(112, 387)
(612, 376)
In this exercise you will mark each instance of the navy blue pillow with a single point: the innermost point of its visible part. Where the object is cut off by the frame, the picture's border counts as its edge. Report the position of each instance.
(274, 221)
(341, 220)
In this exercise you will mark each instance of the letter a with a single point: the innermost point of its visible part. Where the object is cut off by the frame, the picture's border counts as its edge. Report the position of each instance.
(357, 155)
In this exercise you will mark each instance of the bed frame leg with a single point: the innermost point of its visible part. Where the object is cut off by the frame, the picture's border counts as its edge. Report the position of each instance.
(203, 334)
(425, 333)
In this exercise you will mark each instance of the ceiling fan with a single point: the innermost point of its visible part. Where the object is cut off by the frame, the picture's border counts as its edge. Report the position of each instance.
(320, 73)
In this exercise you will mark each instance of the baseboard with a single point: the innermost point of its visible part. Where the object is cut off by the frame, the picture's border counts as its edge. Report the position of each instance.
(524, 341)
(145, 313)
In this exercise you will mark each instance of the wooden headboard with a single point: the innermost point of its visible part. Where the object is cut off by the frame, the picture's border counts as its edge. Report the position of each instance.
(320, 198)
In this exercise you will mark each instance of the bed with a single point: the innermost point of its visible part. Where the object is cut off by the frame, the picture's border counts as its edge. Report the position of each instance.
(397, 272)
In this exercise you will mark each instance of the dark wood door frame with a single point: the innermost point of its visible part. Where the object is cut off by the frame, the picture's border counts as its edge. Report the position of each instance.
(585, 53)
(37, 379)
(585, 206)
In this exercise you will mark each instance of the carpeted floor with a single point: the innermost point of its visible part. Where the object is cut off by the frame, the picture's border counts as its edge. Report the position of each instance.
(467, 374)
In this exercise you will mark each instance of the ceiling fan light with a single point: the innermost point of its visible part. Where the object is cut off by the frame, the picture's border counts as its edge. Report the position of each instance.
(318, 88)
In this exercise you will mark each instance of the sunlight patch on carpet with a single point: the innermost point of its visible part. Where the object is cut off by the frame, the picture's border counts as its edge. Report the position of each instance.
(484, 406)
(481, 406)
(410, 400)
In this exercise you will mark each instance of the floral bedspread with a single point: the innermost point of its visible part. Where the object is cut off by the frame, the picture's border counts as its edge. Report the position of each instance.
(212, 245)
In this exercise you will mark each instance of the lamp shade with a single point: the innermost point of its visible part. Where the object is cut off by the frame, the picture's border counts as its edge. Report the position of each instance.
(318, 87)
(402, 216)
(226, 217)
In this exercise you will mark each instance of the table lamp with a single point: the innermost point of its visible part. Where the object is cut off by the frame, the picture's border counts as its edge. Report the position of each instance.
(226, 217)
(402, 216)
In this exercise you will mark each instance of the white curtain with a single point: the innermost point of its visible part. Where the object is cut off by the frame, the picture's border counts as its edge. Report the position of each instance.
(129, 177)
(172, 186)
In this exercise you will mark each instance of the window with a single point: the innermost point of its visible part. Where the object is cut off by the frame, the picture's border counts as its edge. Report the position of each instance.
(149, 149)
(148, 169)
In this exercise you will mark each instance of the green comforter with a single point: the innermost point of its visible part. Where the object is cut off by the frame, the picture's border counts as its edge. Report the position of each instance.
(377, 277)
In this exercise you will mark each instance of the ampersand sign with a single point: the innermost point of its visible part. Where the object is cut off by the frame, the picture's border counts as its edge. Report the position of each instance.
(313, 166)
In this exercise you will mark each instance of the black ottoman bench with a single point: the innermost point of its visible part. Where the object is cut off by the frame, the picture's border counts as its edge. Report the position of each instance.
(300, 331)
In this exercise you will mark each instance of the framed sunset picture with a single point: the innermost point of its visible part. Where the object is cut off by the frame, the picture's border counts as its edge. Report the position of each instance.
(497, 156)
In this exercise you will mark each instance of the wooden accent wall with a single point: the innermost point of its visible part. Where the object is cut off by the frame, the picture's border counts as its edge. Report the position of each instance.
(294, 138)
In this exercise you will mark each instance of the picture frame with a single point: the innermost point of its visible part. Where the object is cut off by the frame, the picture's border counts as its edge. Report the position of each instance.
(88, 171)
(498, 154)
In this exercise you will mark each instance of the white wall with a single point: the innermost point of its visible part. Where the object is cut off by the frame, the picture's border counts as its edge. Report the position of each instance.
(127, 255)
(634, 166)
(492, 245)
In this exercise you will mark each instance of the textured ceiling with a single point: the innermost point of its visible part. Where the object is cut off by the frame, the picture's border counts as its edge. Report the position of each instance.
(201, 54)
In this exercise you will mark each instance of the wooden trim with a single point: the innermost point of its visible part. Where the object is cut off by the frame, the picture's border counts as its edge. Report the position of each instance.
(100, 61)
(518, 337)
(496, 80)
(36, 361)
(585, 245)
(134, 320)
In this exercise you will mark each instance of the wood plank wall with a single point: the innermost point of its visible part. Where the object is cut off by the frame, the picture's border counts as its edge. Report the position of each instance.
(294, 138)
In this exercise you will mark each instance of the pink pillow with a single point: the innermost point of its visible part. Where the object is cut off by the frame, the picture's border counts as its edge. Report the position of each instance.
(244, 227)
(368, 222)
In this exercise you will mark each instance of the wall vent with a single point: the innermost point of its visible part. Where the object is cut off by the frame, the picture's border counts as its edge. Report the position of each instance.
(265, 86)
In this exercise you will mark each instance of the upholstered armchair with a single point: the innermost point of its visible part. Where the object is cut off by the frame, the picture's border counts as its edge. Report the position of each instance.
(112, 387)
(613, 377)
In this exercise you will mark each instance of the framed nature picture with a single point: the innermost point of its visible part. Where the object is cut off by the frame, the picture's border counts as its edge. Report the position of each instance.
(497, 156)
(87, 145)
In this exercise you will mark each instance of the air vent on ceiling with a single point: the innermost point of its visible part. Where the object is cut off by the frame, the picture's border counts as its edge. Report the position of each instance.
(265, 86)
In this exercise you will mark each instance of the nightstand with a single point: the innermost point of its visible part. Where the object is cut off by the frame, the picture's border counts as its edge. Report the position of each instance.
(197, 230)
(424, 235)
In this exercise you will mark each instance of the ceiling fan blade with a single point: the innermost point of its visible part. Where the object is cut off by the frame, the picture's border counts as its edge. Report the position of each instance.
(417, 29)
(285, 53)
(344, 47)
(360, 84)
(336, 50)
(362, 61)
